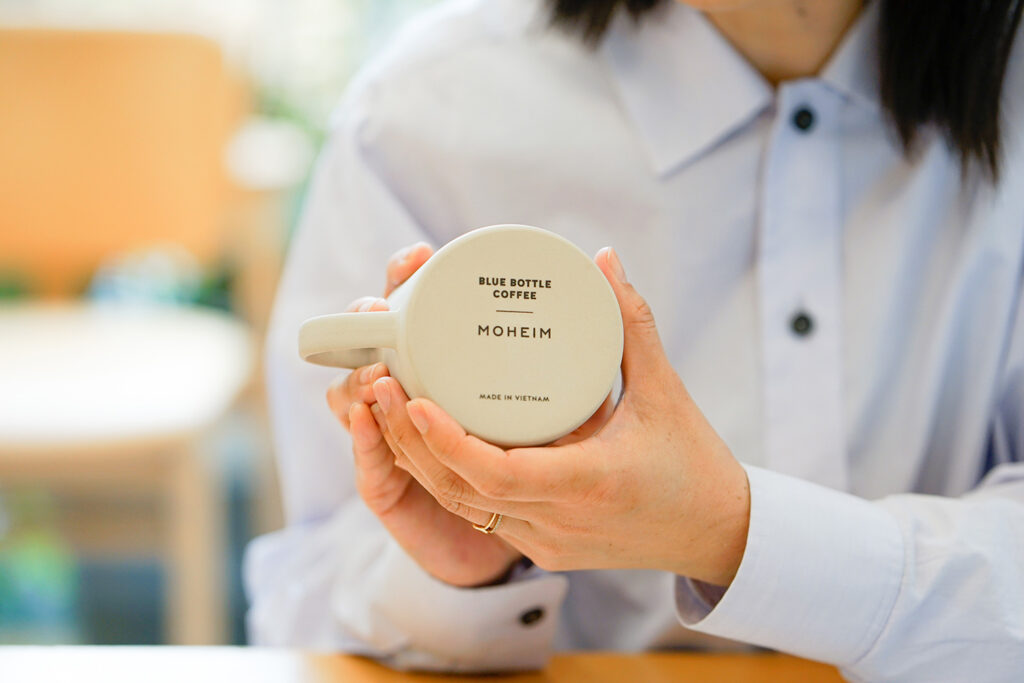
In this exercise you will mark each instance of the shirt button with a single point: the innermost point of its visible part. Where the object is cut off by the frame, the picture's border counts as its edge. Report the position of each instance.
(801, 324)
(803, 119)
(531, 617)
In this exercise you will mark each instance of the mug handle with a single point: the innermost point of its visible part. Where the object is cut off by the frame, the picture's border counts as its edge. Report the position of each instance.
(348, 340)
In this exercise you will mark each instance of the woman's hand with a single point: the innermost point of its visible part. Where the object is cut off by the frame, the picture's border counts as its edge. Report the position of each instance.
(444, 544)
(355, 387)
(656, 488)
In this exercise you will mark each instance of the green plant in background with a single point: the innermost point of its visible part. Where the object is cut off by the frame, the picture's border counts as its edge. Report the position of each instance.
(164, 275)
(38, 572)
(14, 285)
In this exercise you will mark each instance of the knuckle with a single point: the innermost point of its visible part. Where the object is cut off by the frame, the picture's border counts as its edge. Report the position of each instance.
(371, 495)
(340, 392)
(496, 485)
(366, 491)
(563, 525)
(454, 507)
(403, 439)
(377, 500)
(332, 398)
(452, 449)
(451, 488)
(339, 404)
(642, 316)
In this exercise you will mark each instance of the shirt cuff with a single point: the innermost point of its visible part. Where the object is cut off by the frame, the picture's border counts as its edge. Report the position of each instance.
(508, 627)
(818, 579)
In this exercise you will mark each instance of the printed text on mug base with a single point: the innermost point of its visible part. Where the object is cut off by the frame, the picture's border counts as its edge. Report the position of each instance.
(528, 398)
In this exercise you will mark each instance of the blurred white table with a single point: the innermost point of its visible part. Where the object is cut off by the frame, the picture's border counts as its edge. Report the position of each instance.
(105, 396)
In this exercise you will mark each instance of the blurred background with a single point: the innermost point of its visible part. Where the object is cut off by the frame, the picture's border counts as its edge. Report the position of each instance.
(153, 159)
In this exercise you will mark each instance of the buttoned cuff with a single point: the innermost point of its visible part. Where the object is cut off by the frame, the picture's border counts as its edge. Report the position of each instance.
(509, 627)
(819, 575)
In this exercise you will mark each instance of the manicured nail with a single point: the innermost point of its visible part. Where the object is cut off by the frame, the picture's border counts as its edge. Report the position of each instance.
(378, 370)
(404, 254)
(418, 416)
(383, 394)
(365, 373)
(616, 264)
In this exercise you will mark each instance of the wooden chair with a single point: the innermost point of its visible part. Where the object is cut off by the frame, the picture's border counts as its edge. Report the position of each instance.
(110, 142)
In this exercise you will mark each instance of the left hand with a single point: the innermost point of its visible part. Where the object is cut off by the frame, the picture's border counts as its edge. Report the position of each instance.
(656, 488)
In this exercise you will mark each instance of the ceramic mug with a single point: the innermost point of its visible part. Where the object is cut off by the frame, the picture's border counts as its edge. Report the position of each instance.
(511, 329)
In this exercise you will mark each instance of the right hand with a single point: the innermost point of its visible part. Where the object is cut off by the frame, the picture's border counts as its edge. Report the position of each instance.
(443, 544)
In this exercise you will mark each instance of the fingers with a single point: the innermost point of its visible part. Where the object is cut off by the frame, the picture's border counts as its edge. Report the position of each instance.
(367, 303)
(516, 477)
(404, 263)
(373, 460)
(371, 452)
(480, 464)
(356, 386)
(450, 489)
(457, 507)
(642, 350)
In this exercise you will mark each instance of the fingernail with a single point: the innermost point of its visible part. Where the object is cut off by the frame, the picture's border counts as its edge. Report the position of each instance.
(405, 252)
(616, 264)
(364, 374)
(383, 394)
(377, 370)
(418, 416)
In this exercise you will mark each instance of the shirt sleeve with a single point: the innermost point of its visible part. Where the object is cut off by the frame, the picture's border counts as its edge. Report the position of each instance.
(333, 580)
(910, 587)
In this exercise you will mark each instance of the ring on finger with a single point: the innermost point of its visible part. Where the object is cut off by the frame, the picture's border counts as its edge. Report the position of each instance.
(491, 526)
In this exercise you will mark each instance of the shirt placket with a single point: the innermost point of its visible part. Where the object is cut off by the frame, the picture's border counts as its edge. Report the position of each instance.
(800, 287)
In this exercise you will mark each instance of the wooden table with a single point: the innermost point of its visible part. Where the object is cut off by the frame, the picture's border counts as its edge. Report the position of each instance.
(252, 665)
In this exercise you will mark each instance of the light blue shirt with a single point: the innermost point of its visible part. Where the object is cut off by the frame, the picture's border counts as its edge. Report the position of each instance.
(848, 318)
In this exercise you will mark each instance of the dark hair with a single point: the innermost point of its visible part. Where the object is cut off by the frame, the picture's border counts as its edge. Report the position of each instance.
(941, 63)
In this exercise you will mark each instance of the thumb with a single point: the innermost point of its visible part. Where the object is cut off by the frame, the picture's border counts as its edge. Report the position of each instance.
(642, 351)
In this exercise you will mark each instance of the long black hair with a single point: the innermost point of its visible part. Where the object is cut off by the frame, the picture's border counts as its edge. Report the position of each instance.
(941, 63)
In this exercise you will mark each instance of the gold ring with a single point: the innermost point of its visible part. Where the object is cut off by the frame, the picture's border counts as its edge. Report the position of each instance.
(491, 526)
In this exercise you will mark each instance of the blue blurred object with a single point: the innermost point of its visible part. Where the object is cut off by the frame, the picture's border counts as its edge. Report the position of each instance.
(120, 601)
(162, 275)
(38, 573)
(168, 275)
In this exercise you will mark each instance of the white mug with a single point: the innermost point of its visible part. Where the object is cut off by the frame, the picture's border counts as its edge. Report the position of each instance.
(511, 329)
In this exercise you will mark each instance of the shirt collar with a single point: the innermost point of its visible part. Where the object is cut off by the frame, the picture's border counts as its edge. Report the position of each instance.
(853, 69)
(686, 88)
(681, 82)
